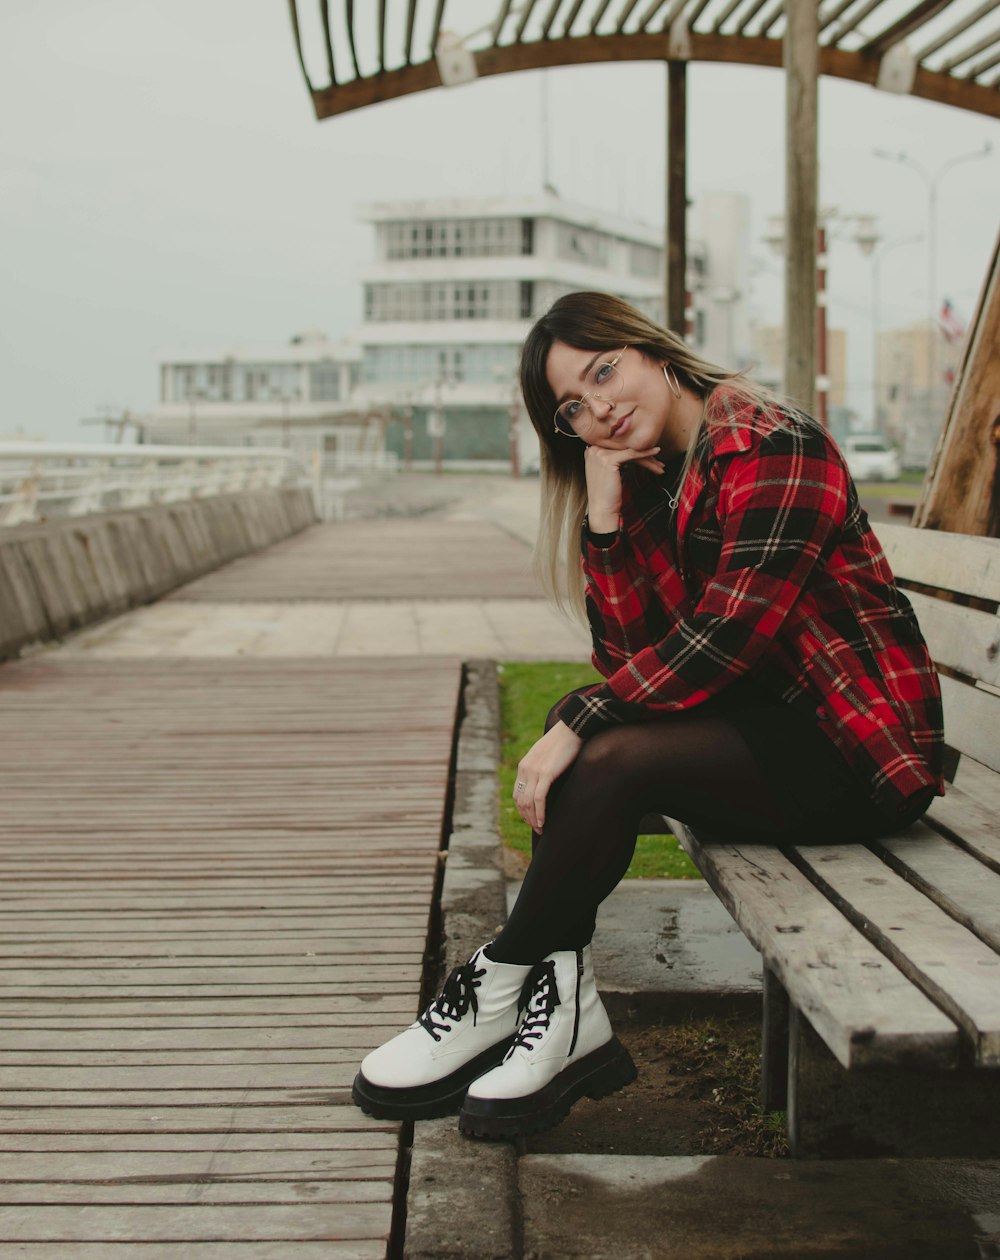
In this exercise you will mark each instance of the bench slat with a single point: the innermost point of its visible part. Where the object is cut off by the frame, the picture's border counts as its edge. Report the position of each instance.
(969, 812)
(953, 562)
(951, 965)
(952, 878)
(860, 1003)
(971, 721)
(964, 639)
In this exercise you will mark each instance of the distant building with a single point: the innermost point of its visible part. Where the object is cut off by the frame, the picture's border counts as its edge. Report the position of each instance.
(909, 412)
(456, 285)
(299, 394)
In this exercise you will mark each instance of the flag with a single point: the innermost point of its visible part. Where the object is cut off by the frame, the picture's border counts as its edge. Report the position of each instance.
(952, 328)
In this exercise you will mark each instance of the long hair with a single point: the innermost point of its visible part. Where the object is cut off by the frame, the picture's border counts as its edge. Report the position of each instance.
(599, 321)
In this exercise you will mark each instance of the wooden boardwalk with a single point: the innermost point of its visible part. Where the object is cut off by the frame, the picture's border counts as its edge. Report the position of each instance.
(216, 877)
(426, 558)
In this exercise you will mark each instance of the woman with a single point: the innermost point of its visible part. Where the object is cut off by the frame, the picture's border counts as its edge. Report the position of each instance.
(764, 679)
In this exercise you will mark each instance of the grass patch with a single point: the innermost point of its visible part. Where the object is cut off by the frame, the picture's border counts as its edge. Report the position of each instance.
(906, 491)
(527, 691)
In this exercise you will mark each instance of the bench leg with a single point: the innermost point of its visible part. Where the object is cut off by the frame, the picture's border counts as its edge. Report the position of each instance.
(774, 1045)
(895, 1111)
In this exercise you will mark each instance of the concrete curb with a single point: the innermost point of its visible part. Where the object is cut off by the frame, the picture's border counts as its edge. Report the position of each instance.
(463, 1202)
(60, 575)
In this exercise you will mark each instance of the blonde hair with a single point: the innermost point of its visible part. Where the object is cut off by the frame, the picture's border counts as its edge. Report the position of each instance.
(600, 321)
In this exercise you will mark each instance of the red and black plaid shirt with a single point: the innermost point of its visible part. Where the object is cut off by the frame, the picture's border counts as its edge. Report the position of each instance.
(767, 568)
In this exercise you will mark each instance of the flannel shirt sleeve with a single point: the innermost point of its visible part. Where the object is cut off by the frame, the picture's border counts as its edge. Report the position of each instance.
(617, 597)
(781, 509)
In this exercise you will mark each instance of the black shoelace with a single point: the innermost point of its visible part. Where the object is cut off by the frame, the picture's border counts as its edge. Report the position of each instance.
(541, 997)
(454, 1000)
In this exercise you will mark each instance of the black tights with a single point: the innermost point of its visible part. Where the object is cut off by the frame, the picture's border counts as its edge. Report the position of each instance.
(695, 768)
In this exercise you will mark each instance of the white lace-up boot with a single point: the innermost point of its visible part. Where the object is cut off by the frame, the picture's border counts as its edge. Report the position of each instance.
(564, 1049)
(465, 1031)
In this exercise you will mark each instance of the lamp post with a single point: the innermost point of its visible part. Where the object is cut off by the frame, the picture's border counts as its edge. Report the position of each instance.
(931, 181)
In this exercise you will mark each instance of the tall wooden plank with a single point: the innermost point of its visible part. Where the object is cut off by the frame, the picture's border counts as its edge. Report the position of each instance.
(801, 62)
(962, 490)
(675, 253)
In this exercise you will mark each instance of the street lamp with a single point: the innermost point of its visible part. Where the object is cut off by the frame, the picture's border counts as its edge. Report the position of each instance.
(932, 181)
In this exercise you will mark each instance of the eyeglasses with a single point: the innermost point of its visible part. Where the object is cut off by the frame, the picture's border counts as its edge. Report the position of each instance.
(574, 417)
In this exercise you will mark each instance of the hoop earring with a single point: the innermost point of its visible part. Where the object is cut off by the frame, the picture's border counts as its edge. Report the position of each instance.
(670, 376)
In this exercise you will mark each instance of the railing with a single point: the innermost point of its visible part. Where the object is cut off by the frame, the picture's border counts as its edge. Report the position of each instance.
(41, 479)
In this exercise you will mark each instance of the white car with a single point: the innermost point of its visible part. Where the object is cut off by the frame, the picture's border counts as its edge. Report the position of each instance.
(870, 457)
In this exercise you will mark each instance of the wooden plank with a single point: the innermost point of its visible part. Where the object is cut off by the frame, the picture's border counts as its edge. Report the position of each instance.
(948, 963)
(187, 1119)
(203, 1191)
(963, 563)
(152, 1039)
(131, 1056)
(950, 877)
(392, 951)
(206, 1147)
(194, 1225)
(864, 1008)
(961, 492)
(968, 813)
(971, 720)
(273, 1077)
(337, 1249)
(964, 639)
(214, 1165)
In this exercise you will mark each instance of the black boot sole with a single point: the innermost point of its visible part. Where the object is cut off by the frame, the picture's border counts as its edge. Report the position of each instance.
(602, 1072)
(426, 1102)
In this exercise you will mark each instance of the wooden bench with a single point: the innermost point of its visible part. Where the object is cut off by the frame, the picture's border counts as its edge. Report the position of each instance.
(881, 1027)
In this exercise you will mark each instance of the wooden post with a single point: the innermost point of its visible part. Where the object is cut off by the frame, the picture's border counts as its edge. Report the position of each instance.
(675, 246)
(962, 490)
(774, 1045)
(801, 59)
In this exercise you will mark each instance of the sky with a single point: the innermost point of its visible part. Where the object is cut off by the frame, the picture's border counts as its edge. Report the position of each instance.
(164, 183)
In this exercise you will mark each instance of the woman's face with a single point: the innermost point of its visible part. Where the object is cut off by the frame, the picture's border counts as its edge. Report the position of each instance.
(636, 418)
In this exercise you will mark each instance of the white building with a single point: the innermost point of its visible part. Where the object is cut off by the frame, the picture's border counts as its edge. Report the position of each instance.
(454, 289)
(300, 394)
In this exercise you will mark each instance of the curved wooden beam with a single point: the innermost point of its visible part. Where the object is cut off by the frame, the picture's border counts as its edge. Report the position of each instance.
(640, 46)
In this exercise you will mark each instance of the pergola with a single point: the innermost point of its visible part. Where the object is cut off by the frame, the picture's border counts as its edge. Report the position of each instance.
(940, 50)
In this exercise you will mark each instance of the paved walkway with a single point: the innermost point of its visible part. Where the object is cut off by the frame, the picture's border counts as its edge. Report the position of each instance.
(219, 847)
(444, 576)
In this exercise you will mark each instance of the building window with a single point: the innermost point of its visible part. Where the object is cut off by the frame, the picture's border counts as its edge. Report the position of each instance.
(324, 382)
(527, 236)
(450, 238)
(496, 299)
(582, 245)
(420, 366)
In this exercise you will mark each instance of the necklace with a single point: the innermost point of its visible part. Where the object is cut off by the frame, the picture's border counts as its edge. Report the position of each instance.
(673, 494)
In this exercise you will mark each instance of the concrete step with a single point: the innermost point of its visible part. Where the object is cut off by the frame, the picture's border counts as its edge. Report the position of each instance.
(597, 1207)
